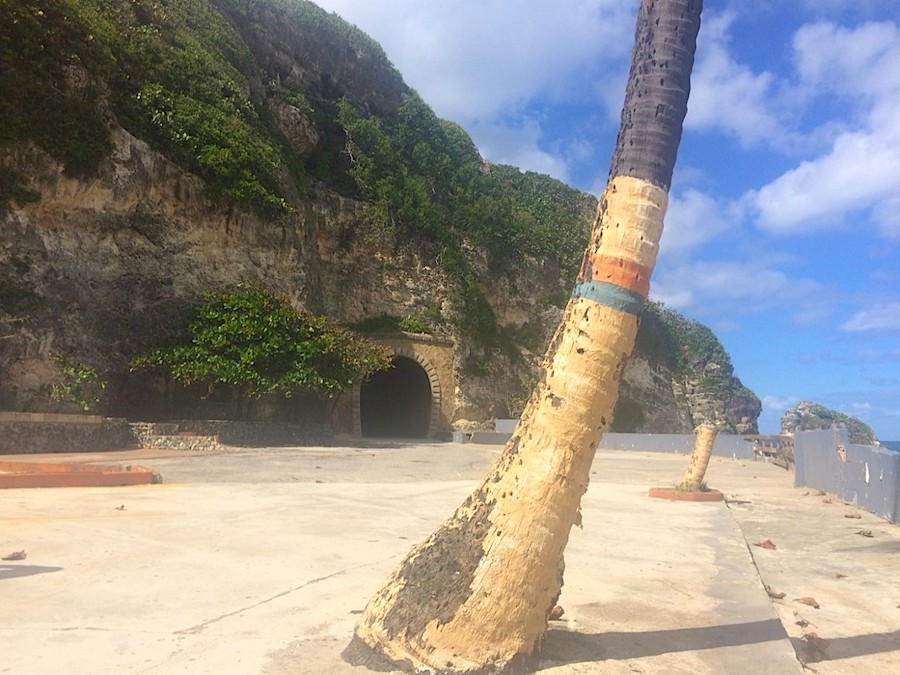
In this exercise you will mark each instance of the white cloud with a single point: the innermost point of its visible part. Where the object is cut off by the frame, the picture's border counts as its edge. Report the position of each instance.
(861, 171)
(671, 295)
(727, 96)
(886, 215)
(859, 175)
(884, 316)
(849, 61)
(692, 219)
(842, 7)
(725, 326)
(518, 146)
(476, 60)
(731, 287)
(779, 404)
(488, 65)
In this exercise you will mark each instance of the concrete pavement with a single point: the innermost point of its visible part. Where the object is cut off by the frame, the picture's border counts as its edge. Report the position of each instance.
(260, 561)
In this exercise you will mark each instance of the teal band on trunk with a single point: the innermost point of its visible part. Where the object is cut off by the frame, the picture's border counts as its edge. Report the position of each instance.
(610, 295)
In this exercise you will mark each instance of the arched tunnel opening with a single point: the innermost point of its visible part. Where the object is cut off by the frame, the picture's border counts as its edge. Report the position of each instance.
(396, 402)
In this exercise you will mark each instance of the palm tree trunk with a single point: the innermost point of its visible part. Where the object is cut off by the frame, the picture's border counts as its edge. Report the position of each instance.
(476, 596)
(703, 447)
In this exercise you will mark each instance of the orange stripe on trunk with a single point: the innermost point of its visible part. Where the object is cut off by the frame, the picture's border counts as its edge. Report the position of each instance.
(621, 272)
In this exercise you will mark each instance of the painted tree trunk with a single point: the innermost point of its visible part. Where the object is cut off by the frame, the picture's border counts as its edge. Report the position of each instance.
(476, 596)
(703, 445)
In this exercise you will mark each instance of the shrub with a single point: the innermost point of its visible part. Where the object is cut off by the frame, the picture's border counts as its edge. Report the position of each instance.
(256, 342)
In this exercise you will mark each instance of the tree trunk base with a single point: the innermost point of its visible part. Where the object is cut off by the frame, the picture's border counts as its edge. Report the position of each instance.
(676, 495)
(360, 654)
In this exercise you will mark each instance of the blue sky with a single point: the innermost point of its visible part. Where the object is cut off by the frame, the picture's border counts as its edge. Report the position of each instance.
(783, 231)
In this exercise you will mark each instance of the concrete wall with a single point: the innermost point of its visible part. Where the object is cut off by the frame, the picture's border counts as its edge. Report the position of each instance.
(726, 445)
(858, 474)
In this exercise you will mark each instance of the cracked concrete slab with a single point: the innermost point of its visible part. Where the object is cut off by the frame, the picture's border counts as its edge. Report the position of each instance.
(262, 561)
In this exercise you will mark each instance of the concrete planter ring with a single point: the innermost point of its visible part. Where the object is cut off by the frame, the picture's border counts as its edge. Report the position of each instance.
(674, 494)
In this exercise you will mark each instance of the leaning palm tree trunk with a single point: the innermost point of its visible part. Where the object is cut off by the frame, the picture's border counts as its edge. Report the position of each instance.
(477, 594)
(703, 447)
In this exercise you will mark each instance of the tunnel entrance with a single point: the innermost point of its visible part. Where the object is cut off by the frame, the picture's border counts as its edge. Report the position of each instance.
(396, 402)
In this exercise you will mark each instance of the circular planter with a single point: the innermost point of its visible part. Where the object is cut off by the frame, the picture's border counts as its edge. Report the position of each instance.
(685, 496)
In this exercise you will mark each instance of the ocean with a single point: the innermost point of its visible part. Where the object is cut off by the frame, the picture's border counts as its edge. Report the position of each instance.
(891, 445)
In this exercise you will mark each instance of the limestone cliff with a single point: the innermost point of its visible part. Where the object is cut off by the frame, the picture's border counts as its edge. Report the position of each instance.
(679, 377)
(807, 416)
(132, 181)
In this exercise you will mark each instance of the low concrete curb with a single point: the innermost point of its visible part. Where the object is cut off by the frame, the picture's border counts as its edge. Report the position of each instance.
(56, 474)
(676, 495)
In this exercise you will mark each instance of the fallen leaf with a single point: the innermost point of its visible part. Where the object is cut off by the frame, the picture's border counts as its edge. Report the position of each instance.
(814, 649)
(803, 623)
(556, 613)
(775, 594)
(15, 555)
(120, 508)
(840, 576)
(806, 600)
(817, 643)
(865, 533)
(768, 544)
(852, 515)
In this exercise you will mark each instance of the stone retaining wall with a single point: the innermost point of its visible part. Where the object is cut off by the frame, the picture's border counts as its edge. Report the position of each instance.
(167, 436)
(258, 434)
(35, 433)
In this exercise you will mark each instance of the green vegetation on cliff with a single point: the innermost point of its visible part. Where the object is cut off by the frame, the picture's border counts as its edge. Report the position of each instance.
(425, 180)
(277, 102)
(175, 74)
(700, 368)
(809, 416)
(255, 342)
(203, 82)
(686, 347)
(190, 77)
(426, 184)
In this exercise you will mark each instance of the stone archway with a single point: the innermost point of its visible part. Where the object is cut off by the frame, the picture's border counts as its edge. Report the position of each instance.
(405, 401)
(397, 402)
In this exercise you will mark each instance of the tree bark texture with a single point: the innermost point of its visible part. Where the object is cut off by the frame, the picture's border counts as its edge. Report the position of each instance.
(703, 446)
(476, 596)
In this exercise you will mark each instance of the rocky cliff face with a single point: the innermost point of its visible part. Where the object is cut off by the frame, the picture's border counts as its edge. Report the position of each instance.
(98, 266)
(117, 260)
(654, 399)
(809, 416)
(679, 377)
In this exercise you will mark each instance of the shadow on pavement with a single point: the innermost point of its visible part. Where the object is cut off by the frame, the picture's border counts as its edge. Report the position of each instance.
(815, 648)
(14, 571)
(565, 647)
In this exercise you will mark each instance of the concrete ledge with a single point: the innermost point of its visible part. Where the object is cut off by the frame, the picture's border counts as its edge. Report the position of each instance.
(52, 474)
(48, 418)
(489, 437)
